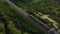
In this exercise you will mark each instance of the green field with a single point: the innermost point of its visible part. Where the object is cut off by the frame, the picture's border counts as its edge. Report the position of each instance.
(15, 22)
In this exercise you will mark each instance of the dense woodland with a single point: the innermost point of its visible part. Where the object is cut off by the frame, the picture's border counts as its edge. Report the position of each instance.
(12, 22)
(47, 7)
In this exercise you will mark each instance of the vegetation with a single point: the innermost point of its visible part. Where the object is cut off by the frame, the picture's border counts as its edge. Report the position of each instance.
(14, 23)
(47, 7)
(2, 30)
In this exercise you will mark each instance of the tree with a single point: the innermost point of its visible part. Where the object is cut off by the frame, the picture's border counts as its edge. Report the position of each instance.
(4, 20)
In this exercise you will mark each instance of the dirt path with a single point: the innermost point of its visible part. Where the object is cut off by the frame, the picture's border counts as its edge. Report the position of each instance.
(54, 22)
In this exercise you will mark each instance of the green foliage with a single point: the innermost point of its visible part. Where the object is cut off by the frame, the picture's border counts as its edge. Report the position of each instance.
(16, 23)
(24, 1)
(12, 28)
(2, 29)
(49, 7)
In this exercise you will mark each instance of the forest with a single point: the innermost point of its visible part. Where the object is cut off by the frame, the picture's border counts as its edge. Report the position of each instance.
(39, 8)
(46, 7)
(12, 22)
